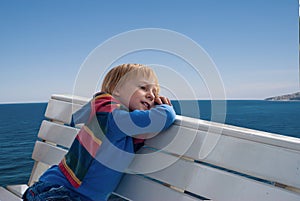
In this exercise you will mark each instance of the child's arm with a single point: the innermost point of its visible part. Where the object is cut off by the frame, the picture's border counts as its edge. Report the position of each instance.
(138, 122)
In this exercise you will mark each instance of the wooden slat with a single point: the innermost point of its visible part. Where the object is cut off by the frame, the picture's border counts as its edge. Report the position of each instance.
(210, 182)
(60, 110)
(5, 195)
(239, 132)
(220, 185)
(45, 155)
(163, 167)
(18, 190)
(70, 98)
(48, 154)
(38, 169)
(137, 188)
(245, 156)
(57, 133)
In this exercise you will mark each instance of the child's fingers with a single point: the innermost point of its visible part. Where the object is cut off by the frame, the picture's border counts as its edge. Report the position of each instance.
(165, 100)
(168, 101)
(158, 100)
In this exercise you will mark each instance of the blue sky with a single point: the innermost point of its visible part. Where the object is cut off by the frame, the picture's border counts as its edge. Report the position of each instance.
(254, 44)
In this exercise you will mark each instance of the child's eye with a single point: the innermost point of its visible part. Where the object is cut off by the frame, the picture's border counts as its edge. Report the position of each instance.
(143, 87)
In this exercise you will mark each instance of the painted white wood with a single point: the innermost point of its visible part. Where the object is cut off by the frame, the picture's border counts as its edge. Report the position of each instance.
(57, 133)
(257, 159)
(71, 98)
(47, 153)
(210, 182)
(264, 161)
(224, 186)
(38, 169)
(18, 190)
(137, 188)
(164, 167)
(60, 110)
(5, 195)
(239, 132)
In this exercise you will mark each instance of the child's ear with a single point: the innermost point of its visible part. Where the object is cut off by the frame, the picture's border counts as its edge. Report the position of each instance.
(116, 92)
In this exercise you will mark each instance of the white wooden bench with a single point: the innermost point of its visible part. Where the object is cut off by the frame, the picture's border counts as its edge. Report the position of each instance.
(243, 165)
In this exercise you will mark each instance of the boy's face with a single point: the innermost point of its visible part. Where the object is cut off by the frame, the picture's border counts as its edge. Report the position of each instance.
(137, 94)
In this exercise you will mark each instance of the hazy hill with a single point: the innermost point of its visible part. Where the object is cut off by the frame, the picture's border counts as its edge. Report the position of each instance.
(287, 97)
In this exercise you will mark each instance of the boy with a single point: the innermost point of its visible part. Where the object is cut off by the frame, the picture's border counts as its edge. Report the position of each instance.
(127, 107)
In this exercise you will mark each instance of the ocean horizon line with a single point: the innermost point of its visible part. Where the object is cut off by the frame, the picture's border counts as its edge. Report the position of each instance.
(46, 101)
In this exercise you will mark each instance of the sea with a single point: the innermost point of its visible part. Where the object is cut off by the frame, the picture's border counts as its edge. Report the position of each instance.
(19, 125)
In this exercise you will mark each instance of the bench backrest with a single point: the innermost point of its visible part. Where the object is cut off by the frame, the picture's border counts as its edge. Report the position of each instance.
(192, 160)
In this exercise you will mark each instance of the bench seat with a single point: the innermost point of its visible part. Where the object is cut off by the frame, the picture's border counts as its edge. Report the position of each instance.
(193, 160)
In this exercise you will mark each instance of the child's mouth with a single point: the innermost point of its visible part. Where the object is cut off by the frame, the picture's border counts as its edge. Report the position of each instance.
(147, 105)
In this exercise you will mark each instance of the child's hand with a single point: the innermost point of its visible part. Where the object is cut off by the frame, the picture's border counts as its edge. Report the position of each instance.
(162, 100)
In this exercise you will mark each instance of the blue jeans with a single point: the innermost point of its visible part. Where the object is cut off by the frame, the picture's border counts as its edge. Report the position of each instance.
(43, 191)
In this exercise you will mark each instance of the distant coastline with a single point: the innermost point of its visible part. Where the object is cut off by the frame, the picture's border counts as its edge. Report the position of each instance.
(287, 97)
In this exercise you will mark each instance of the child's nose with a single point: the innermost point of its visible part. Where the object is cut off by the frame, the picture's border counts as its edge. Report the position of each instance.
(150, 96)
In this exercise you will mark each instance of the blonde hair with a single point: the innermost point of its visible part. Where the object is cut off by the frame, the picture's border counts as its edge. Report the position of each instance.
(120, 74)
